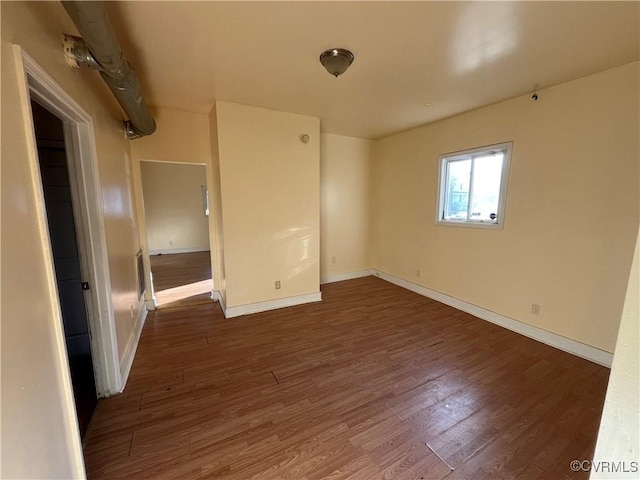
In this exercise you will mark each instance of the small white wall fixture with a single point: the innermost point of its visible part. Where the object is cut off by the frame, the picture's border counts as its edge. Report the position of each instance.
(83, 172)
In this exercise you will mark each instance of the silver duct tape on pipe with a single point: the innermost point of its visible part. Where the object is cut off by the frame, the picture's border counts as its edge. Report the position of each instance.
(91, 20)
(77, 54)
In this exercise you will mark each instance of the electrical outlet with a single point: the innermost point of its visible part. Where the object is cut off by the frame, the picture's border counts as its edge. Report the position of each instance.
(278, 285)
(418, 273)
(170, 242)
(333, 259)
(535, 309)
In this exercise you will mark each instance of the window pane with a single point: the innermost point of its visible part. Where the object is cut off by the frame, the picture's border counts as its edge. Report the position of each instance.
(487, 173)
(459, 174)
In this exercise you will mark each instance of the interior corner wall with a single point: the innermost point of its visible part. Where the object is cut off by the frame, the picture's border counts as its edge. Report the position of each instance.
(344, 205)
(618, 438)
(270, 198)
(37, 405)
(571, 211)
(174, 207)
(180, 137)
(215, 201)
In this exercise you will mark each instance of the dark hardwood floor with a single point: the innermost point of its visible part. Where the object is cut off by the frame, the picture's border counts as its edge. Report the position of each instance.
(374, 382)
(181, 279)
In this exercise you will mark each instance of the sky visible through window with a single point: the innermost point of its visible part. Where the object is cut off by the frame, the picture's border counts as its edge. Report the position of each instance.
(485, 191)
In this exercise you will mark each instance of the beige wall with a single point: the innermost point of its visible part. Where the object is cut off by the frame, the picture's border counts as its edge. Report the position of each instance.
(618, 439)
(571, 212)
(215, 203)
(180, 137)
(270, 202)
(174, 207)
(39, 432)
(344, 204)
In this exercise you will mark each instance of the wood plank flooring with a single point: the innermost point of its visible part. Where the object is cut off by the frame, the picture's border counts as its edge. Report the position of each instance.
(181, 279)
(374, 382)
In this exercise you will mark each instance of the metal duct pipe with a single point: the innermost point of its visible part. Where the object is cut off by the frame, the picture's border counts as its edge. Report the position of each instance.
(99, 49)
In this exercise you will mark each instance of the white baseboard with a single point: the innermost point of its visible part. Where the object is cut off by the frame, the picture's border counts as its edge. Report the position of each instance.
(558, 341)
(166, 251)
(231, 312)
(339, 277)
(150, 304)
(130, 352)
(216, 296)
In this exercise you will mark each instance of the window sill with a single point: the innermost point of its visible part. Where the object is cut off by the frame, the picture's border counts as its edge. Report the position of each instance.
(483, 225)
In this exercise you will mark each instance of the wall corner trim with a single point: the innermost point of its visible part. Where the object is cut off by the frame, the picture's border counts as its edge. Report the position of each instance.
(132, 347)
(236, 311)
(216, 296)
(150, 304)
(552, 339)
(339, 277)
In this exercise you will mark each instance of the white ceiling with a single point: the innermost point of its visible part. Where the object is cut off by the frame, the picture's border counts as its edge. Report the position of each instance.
(456, 56)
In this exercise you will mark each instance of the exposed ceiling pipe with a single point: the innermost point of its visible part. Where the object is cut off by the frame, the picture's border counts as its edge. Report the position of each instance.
(99, 49)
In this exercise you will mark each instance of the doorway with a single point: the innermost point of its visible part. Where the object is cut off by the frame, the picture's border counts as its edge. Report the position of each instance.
(63, 233)
(176, 210)
(82, 166)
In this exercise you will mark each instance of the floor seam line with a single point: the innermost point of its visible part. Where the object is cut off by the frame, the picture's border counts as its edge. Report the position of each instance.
(438, 455)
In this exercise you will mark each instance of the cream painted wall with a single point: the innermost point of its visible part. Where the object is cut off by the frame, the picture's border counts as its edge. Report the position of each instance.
(183, 137)
(174, 206)
(270, 203)
(344, 204)
(180, 137)
(37, 404)
(571, 212)
(619, 436)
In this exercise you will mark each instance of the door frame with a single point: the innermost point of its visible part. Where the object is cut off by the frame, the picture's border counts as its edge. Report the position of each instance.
(82, 163)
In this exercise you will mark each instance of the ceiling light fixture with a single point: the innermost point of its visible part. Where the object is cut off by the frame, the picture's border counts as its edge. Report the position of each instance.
(336, 60)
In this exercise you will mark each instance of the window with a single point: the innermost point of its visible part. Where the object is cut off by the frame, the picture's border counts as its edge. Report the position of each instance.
(473, 186)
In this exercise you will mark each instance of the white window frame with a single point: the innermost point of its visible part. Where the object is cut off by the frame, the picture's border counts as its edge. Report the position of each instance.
(447, 158)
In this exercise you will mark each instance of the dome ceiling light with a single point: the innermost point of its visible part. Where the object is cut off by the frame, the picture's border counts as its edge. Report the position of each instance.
(336, 60)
